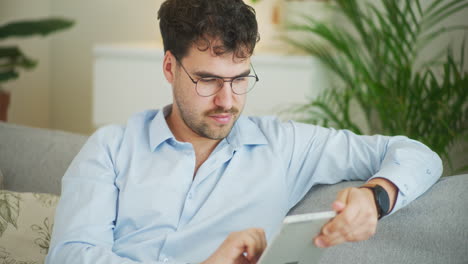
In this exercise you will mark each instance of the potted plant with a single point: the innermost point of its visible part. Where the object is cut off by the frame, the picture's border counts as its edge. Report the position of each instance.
(12, 58)
(374, 56)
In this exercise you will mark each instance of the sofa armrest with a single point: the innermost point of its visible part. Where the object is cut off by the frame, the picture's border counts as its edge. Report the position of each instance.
(432, 229)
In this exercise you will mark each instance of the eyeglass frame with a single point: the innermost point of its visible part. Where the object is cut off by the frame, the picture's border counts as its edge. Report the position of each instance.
(221, 78)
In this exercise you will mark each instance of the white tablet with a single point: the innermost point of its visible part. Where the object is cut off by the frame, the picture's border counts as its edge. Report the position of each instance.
(294, 243)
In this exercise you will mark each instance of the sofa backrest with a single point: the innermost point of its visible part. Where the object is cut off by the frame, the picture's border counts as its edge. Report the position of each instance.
(34, 159)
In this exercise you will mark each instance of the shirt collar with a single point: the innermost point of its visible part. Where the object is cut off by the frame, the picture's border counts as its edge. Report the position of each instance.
(244, 132)
(159, 131)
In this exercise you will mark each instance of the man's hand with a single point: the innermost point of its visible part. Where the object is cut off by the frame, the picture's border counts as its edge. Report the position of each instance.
(243, 247)
(357, 215)
(356, 218)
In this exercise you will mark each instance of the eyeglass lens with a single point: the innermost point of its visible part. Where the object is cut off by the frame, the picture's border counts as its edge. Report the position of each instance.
(211, 85)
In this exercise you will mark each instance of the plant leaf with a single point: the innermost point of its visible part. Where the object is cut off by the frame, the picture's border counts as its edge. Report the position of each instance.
(28, 28)
(8, 75)
(374, 62)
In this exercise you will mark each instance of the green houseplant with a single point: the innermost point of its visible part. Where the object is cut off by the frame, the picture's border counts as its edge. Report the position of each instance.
(375, 58)
(12, 59)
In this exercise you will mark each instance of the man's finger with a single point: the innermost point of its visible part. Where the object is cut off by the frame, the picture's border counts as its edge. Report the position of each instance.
(255, 243)
(361, 232)
(338, 237)
(339, 205)
(342, 222)
(354, 221)
(338, 228)
(341, 200)
(261, 240)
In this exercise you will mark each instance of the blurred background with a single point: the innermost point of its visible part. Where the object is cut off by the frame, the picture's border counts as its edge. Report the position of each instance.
(58, 93)
(76, 85)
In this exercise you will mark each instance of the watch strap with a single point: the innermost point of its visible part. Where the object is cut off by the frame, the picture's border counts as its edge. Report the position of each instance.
(380, 212)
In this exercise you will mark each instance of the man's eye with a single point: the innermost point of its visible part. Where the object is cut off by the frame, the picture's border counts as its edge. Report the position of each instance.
(208, 80)
(240, 80)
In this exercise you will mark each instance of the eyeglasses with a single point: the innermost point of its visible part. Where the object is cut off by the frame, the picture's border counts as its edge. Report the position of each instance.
(208, 86)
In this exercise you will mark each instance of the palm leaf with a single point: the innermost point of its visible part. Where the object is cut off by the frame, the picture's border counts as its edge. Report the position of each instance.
(375, 65)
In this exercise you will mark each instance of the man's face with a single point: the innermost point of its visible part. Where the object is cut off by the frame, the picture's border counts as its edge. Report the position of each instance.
(213, 116)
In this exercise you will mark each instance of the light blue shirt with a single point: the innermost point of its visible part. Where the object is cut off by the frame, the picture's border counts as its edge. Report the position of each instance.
(130, 195)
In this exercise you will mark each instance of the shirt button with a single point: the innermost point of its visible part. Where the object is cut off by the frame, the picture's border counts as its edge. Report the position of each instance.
(190, 196)
(165, 260)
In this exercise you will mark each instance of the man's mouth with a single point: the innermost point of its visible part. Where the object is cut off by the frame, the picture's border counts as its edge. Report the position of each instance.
(222, 118)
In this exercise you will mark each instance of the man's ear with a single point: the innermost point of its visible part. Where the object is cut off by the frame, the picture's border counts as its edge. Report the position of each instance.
(169, 64)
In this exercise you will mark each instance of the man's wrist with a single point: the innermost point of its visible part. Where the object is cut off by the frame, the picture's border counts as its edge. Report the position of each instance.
(380, 199)
(390, 188)
(370, 195)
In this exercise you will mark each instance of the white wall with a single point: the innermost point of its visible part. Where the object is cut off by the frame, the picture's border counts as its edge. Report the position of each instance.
(30, 101)
(58, 94)
(71, 53)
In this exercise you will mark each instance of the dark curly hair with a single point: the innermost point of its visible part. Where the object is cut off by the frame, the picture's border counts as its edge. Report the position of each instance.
(187, 22)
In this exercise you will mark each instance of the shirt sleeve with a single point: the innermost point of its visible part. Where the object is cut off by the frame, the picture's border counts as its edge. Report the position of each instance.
(327, 156)
(86, 213)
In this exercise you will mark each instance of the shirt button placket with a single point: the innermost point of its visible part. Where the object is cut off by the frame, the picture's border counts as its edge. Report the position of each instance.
(188, 210)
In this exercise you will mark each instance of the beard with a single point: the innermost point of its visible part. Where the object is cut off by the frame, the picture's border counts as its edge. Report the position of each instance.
(200, 125)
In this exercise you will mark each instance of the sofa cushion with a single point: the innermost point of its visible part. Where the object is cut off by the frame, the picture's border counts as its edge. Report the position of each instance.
(42, 153)
(1, 179)
(26, 221)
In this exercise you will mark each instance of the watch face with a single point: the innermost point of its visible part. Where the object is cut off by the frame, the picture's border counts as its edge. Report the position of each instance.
(382, 199)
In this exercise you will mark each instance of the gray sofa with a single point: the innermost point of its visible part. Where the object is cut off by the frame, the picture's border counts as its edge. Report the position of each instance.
(432, 229)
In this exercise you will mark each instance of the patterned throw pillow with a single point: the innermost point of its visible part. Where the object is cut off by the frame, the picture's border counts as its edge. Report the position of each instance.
(26, 221)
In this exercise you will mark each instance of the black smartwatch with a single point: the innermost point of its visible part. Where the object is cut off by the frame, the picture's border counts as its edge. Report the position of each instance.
(382, 201)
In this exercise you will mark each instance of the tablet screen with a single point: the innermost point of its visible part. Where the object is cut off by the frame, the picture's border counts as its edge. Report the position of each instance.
(294, 243)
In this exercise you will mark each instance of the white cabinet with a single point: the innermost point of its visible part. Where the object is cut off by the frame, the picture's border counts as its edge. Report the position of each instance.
(128, 78)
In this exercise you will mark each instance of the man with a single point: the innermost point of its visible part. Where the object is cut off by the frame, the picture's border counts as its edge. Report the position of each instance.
(197, 182)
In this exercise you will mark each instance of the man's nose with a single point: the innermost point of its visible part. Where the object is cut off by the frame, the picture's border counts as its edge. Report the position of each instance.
(223, 98)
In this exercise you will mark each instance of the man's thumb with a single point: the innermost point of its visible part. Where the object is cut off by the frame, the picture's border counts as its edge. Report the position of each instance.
(340, 203)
